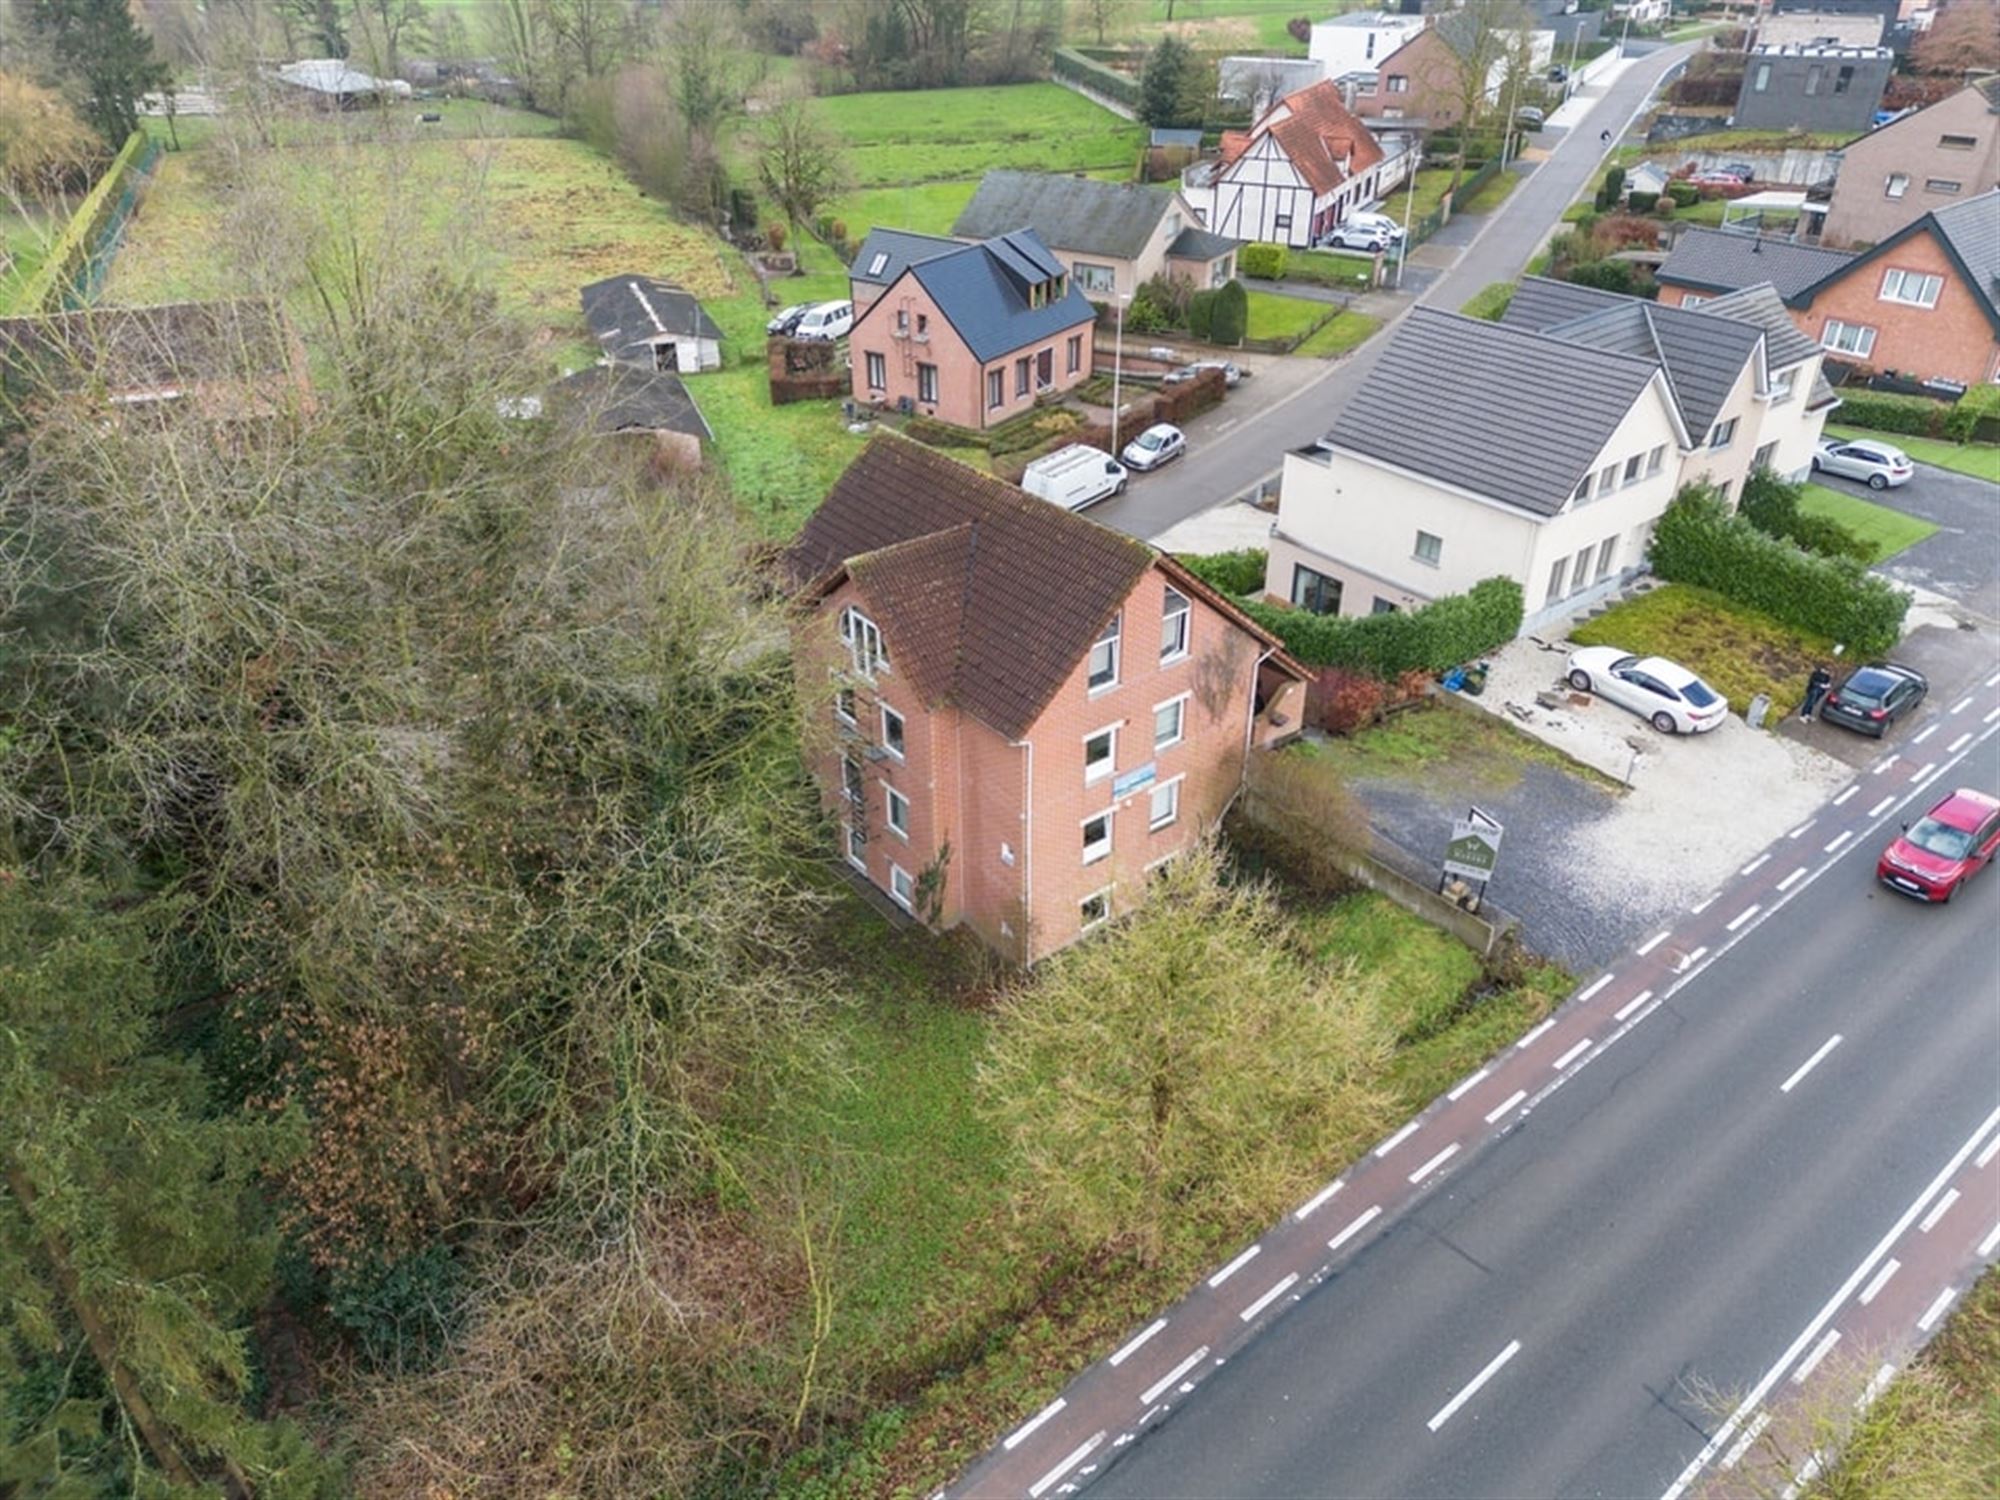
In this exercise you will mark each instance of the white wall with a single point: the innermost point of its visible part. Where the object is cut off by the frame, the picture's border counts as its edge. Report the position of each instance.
(1349, 49)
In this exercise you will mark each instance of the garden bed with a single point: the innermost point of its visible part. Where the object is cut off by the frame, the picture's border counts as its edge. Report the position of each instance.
(1737, 651)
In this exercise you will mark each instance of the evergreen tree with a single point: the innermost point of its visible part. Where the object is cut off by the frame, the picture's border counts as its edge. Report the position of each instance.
(1162, 85)
(109, 60)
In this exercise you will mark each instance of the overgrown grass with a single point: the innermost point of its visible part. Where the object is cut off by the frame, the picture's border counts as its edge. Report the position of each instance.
(1740, 652)
(23, 237)
(1210, 26)
(1445, 744)
(1887, 531)
(1338, 336)
(926, 207)
(1981, 461)
(1490, 301)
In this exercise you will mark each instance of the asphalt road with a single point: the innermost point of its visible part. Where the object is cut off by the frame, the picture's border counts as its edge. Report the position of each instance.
(1235, 455)
(1659, 1230)
(1962, 559)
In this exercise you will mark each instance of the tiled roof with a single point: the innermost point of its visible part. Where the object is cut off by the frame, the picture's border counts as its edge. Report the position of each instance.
(1199, 244)
(173, 344)
(1703, 356)
(1490, 409)
(982, 290)
(988, 597)
(627, 313)
(624, 398)
(1540, 302)
(1319, 134)
(1784, 344)
(1071, 213)
(1972, 229)
(1721, 260)
(895, 250)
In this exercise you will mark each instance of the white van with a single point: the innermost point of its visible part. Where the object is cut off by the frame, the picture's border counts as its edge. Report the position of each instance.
(825, 322)
(1074, 477)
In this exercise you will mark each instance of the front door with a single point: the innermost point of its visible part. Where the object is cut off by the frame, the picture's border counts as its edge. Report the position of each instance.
(1045, 369)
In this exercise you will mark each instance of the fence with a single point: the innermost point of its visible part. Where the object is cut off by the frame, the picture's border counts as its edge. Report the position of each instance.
(77, 261)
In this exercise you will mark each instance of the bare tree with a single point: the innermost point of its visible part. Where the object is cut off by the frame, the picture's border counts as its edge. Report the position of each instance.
(383, 26)
(799, 159)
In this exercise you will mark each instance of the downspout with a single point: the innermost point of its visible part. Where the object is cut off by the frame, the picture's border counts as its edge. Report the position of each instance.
(1249, 734)
(1028, 855)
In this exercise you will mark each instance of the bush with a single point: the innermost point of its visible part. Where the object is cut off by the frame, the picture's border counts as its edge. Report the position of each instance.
(774, 236)
(1232, 573)
(1299, 28)
(1683, 193)
(1605, 275)
(1883, 411)
(1772, 506)
(1201, 315)
(1612, 187)
(1073, 65)
(1698, 541)
(1344, 700)
(1490, 302)
(1231, 315)
(1642, 203)
(1976, 418)
(1263, 262)
(1442, 634)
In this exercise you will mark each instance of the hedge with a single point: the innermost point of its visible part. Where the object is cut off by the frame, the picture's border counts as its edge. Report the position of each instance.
(1073, 65)
(1262, 261)
(1232, 573)
(1440, 635)
(1698, 541)
(1230, 317)
(1976, 418)
(1884, 411)
(1490, 301)
(1772, 506)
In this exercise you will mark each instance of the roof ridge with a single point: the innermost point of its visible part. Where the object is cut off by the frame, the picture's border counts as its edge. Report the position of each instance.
(964, 608)
(1537, 336)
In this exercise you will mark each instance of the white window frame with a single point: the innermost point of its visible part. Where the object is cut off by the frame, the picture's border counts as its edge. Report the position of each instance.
(1088, 922)
(1109, 636)
(1558, 576)
(1896, 184)
(1092, 277)
(1656, 460)
(844, 707)
(927, 384)
(849, 784)
(996, 388)
(1861, 345)
(1784, 386)
(1583, 490)
(878, 371)
(1169, 614)
(1944, 185)
(1096, 771)
(865, 649)
(1722, 434)
(1180, 702)
(850, 836)
(1154, 822)
(1100, 848)
(1634, 468)
(889, 743)
(1896, 282)
(1434, 558)
(894, 801)
(1606, 551)
(898, 878)
(1692, 299)
(1607, 479)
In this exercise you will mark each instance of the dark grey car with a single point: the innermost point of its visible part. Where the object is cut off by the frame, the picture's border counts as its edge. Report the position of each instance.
(1874, 697)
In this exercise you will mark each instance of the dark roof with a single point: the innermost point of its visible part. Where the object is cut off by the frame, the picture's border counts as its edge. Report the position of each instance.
(897, 249)
(1784, 344)
(623, 398)
(1969, 234)
(1540, 302)
(1199, 244)
(1493, 410)
(988, 597)
(1164, 135)
(1071, 213)
(125, 349)
(982, 290)
(1721, 260)
(629, 314)
(1703, 356)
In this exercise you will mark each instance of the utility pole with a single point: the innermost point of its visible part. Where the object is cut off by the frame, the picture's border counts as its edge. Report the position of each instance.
(1409, 207)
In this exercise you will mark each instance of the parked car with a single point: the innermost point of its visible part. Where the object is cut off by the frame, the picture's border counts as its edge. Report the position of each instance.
(1744, 171)
(1379, 222)
(1720, 177)
(825, 321)
(1075, 476)
(1665, 694)
(788, 319)
(1944, 848)
(1158, 444)
(1874, 697)
(1230, 374)
(1879, 465)
(1558, 74)
(1357, 237)
(1527, 117)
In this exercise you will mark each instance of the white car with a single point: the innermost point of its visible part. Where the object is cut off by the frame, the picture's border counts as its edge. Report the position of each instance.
(1880, 466)
(1379, 222)
(788, 318)
(825, 322)
(1665, 694)
(1231, 375)
(1157, 445)
(1357, 237)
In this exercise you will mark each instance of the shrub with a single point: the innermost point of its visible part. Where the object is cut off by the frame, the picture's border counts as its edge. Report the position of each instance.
(1625, 232)
(1299, 28)
(1201, 314)
(1233, 573)
(1073, 65)
(1772, 506)
(1263, 262)
(1490, 302)
(1232, 313)
(1442, 634)
(1605, 275)
(1883, 411)
(1344, 700)
(1976, 418)
(774, 236)
(1643, 203)
(1613, 185)
(839, 228)
(1683, 193)
(1698, 541)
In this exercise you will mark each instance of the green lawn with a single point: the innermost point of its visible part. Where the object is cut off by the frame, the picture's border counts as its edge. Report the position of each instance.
(1980, 460)
(1739, 651)
(1888, 531)
(1495, 193)
(1273, 316)
(1446, 746)
(1490, 301)
(926, 207)
(1209, 26)
(1331, 267)
(1343, 333)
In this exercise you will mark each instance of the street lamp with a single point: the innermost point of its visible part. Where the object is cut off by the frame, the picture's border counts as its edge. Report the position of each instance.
(1118, 368)
(1409, 208)
(1625, 30)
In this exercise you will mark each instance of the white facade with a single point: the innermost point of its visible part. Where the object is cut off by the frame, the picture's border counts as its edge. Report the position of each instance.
(1263, 196)
(1358, 41)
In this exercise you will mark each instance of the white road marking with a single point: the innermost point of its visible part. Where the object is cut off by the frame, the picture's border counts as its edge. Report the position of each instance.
(1883, 765)
(1269, 1297)
(1032, 1423)
(1691, 960)
(1993, 679)
(1750, 1435)
(1138, 1343)
(1837, 801)
(1069, 1461)
(1633, 1004)
(1923, 734)
(1943, 1207)
(1800, 1480)
(1153, 1393)
(1473, 1082)
(1317, 1199)
(1360, 1223)
(1574, 1053)
(1992, 1150)
(1754, 864)
(1991, 717)
(1801, 828)
(1819, 1352)
(1397, 1139)
(1810, 1063)
(1959, 744)
(1883, 806)
(1962, 705)
(1704, 904)
(1839, 841)
(1877, 1384)
(1881, 1279)
(1792, 879)
(1535, 1034)
(1743, 916)
(1235, 1265)
(1990, 1243)
(1936, 1310)
(1472, 1388)
(1507, 1108)
(1660, 937)
(1434, 1163)
(1929, 766)
(1597, 985)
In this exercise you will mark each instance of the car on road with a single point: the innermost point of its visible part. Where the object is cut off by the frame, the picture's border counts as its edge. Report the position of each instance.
(1944, 848)
(1158, 444)
(1878, 465)
(825, 321)
(1874, 697)
(1357, 237)
(1663, 693)
(788, 318)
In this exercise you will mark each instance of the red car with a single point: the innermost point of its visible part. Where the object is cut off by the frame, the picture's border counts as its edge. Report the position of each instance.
(1943, 849)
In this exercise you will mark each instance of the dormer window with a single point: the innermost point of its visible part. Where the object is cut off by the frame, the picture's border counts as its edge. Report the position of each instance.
(864, 643)
(877, 261)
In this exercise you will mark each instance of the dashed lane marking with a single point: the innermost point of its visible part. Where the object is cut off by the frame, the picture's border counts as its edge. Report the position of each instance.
(1137, 1344)
(1534, 1034)
(1397, 1139)
(1883, 765)
(1434, 1163)
(1942, 1208)
(1306, 1208)
(1742, 916)
(1754, 865)
(1959, 744)
(1493, 1365)
(1597, 985)
(1801, 828)
(1515, 1098)
(1936, 1310)
(1361, 1222)
(1792, 879)
(1021, 1432)
(1660, 937)
(1837, 801)
(1962, 705)
(1166, 1382)
(1473, 1082)
(1235, 1265)
(1923, 734)
(1269, 1297)
(1742, 1446)
(1819, 1352)
(1573, 1054)
(1631, 1005)
(1992, 1242)
(1809, 1064)
(1883, 806)
(1839, 841)
(1067, 1462)
(1881, 1279)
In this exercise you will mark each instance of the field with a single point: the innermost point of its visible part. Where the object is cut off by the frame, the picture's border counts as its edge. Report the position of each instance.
(1206, 25)
(926, 207)
(935, 134)
(1277, 317)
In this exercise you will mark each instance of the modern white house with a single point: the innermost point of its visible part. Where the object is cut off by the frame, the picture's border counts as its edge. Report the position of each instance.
(1544, 447)
(1359, 40)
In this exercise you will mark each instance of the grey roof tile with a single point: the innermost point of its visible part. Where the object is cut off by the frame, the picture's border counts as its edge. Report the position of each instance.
(1199, 244)
(1973, 229)
(982, 289)
(887, 253)
(628, 312)
(1076, 214)
(1540, 302)
(1703, 355)
(625, 398)
(1721, 260)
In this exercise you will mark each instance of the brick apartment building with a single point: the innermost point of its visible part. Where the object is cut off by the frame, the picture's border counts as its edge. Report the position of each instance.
(1022, 712)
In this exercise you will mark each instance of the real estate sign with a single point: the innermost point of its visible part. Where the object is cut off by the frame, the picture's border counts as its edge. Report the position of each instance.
(1475, 846)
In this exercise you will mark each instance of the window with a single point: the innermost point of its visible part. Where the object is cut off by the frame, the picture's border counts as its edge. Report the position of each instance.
(923, 327)
(1911, 287)
(927, 385)
(1430, 549)
(1580, 571)
(902, 889)
(1942, 185)
(898, 812)
(892, 731)
(857, 847)
(1764, 456)
(1722, 434)
(1847, 338)
(1382, 606)
(850, 779)
(843, 705)
(902, 322)
(1605, 553)
(1557, 572)
(1102, 280)
(1783, 386)
(1074, 354)
(1094, 908)
(864, 642)
(1632, 466)
(1607, 479)
(1100, 754)
(877, 261)
(1315, 591)
(1897, 184)
(1957, 142)
(1024, 380)
(1654, 459)
(1166, 805)
(1096, 837)
(996, 388)
(1399, 83)
(1104, 657)
(1763, 78)
(1170, 723)
(1583, 490)
(1690, 299)
(878, 372)
(1281, 221)
(1045, 369)
(1222, 270)
(1814, 75)
(1843, 78)
(1174, 615)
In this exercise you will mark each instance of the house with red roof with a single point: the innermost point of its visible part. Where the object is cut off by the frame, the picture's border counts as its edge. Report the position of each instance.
(1306, 164)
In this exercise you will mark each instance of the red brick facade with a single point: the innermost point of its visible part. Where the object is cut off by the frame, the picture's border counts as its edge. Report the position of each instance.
(1951, 340)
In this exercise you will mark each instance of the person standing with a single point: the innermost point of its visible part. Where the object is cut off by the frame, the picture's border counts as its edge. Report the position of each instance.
(1816, 686)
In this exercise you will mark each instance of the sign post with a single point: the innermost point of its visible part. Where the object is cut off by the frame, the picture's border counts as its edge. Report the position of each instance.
(1473, 853)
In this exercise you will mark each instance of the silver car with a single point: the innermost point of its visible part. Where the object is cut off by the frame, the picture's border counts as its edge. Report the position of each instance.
(1663, 693)
(1877, 465)
(1156, 445)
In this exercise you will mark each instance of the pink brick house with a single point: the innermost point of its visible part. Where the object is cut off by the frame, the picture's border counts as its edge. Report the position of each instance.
(1020, 713)
(974, 335)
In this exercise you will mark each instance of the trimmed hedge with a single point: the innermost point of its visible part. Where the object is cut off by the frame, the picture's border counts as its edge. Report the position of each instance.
(1263, 262)
(1073, 65)
(1884, 411)
(1976, 418)
(1772, 506)
(1698, 541)
(1232, 573)
(1230, 317)
(1443, 634)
